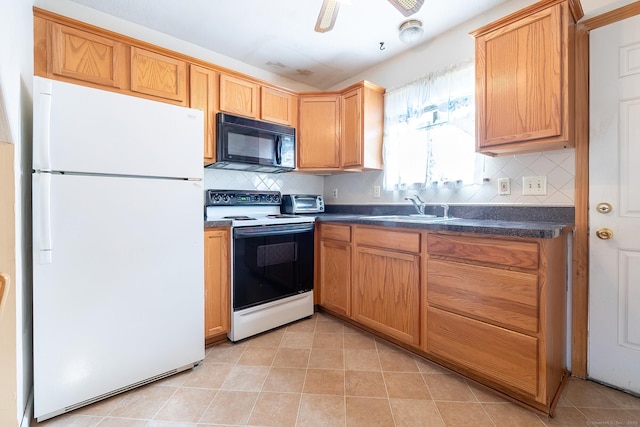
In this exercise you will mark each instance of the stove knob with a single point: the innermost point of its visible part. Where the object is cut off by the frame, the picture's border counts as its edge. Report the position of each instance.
(276, 199)
(216, 198)
(256, 198)
(225, 198)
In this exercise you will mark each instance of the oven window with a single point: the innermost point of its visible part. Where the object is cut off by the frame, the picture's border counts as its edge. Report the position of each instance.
(271, 266)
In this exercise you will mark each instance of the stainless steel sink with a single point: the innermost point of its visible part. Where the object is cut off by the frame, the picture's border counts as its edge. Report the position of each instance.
(423, 219)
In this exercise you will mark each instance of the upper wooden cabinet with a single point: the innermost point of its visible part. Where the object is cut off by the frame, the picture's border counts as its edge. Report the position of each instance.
(203, 95)
(84, 56)
(158, 75)
(362, 123)
(524, 84)
(278, 107)
(342, 131)
(239, 96)
(318, 141)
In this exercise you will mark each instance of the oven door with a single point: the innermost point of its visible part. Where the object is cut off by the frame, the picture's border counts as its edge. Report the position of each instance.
(271, 262)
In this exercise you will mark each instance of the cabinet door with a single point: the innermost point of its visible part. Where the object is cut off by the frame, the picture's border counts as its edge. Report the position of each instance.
(238, 96)
(216, 282)
(84, 56)
(319, 133)
(386, 293)
(351, 135)
(158, 75)
(335, 276)
(278, 106)
(203, 96)
(521, 94)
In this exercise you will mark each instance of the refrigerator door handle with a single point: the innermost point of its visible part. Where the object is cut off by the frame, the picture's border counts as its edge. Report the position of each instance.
(45, 219)
(43, 136)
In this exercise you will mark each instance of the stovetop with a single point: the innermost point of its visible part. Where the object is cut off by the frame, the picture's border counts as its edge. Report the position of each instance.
(249, 208)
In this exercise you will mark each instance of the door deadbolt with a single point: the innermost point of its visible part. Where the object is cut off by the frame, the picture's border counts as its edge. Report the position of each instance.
(604, 208)
(604, 233)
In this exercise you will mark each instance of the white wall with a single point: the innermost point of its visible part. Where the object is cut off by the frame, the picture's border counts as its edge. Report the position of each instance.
(16, 70)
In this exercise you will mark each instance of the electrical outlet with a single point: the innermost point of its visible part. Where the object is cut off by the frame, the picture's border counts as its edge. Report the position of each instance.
(504, 186)
(376, 191)
(534, 185)
(334, 193)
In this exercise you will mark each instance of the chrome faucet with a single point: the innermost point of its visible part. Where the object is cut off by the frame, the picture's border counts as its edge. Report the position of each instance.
(417, 203)
(446, 210)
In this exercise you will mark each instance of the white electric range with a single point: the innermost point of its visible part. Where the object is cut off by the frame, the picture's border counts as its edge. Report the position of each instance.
(272, 256)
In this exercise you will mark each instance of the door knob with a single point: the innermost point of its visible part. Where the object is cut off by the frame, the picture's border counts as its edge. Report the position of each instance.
(604, 208)
(604, 233)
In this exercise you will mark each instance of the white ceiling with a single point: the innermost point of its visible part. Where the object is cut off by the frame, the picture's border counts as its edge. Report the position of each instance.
(278, 35)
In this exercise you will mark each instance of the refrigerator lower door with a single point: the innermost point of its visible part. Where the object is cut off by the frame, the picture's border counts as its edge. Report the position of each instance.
(118, 298)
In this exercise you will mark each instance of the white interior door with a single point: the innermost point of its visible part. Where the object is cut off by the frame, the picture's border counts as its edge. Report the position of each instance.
(614, 178)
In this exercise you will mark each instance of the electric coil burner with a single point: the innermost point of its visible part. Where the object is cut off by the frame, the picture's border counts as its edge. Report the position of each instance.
(271, 263)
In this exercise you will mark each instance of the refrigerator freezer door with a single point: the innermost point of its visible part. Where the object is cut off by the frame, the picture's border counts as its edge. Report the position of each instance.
(120, 299)
(86, 130)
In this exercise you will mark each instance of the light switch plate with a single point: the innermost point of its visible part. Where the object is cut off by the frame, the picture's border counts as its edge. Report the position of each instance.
(534, 185)
(504, 186)
(376, 191)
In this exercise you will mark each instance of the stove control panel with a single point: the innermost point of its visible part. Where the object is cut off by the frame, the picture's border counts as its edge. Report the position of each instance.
(242, 198)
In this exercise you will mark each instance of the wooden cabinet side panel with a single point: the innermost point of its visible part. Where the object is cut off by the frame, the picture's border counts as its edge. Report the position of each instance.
(84, 56)
(217, 282)
(158, 75)
(319, 132)
(507, 253)
(239, 96)
(335, 276)
(203, 95)
(502, 297)
(498, 354)
(522, 80)
(352, 123)
(373, 128)
(386, 293)
(553, 288)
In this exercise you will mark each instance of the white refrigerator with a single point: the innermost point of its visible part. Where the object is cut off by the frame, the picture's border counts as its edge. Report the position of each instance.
(117, 243)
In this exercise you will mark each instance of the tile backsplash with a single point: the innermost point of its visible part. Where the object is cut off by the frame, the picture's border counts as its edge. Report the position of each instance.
(357, 188)
(558, 166)
(286, 183)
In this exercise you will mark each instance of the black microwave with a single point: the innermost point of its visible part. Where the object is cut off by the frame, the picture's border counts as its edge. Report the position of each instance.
(253, 145)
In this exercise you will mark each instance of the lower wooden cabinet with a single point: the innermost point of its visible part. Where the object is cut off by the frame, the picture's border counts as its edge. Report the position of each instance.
(387, 286)
(335, 268)
(216, 282)
(492, 308)
(496, 311)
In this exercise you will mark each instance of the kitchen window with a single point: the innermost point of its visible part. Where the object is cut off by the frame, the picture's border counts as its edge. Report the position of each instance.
(429, 132)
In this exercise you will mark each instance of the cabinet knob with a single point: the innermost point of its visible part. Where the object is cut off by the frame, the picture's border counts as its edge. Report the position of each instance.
(604, 233)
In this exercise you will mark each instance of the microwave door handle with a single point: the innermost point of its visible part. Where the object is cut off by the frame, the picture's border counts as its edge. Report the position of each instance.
(278, 150)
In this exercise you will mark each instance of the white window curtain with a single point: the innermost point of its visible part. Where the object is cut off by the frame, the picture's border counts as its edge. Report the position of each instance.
(429, 131)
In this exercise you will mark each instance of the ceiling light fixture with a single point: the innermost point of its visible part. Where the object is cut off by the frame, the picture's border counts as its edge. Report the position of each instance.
(410, 31)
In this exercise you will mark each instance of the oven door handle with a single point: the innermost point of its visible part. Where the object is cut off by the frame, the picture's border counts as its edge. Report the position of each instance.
(271, 230)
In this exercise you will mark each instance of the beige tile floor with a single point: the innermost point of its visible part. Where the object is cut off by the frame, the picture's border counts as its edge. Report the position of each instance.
(322, 372)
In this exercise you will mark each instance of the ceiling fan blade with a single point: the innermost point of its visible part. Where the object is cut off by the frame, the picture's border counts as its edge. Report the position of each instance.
(327, 16)
(407, 7)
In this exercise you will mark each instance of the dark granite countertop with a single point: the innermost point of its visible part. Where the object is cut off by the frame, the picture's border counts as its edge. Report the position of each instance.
(540, 222)
(544, 230)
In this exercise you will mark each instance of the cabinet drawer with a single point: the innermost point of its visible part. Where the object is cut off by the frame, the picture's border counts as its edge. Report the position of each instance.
(388, 239)
(341, 233)
(501, 252)
(498, 354)
(502, 297)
